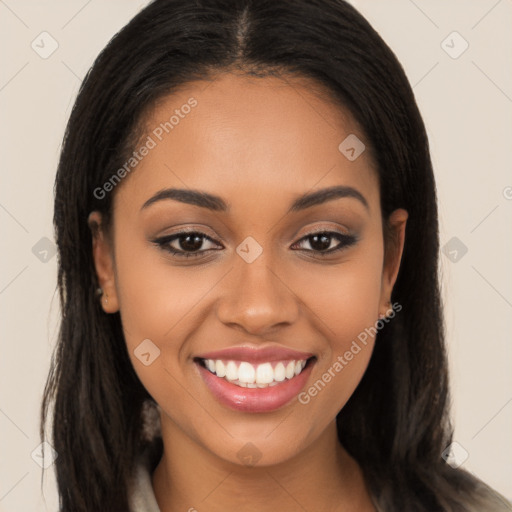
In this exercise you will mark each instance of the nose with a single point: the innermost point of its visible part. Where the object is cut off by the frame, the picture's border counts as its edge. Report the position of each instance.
(257, 299)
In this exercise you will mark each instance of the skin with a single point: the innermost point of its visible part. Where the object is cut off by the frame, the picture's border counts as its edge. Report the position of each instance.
(259, 143)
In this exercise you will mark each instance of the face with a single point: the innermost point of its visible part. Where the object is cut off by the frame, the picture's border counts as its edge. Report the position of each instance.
(259, 265)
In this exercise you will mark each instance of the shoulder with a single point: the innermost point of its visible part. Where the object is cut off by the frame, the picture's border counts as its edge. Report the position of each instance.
(486, 498)
(444, 489)
(475, 495)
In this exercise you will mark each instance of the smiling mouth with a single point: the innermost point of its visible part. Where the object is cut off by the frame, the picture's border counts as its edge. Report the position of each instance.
(262, 375)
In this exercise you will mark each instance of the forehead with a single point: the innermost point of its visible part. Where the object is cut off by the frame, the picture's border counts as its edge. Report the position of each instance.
(233, 135)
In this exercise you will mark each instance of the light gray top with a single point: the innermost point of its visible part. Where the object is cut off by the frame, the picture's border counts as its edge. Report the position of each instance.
(142, 497)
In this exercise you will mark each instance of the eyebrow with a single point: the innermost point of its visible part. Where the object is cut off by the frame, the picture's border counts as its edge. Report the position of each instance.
(217, 204)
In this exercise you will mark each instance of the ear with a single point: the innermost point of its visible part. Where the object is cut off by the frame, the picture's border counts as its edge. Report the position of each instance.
(103, 256)
(392, 256)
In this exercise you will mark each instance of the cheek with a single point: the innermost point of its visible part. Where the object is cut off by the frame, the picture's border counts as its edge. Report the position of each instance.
(342, 299)
(345, 303)
(155, 296)
(157, 307)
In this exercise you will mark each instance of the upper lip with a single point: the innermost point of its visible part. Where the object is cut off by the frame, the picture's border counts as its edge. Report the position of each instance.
(256, 355)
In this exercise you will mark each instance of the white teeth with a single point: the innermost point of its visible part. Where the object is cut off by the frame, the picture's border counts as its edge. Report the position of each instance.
(231, 371)
(219, 369)
(279, 372)
(244, 374)
(264, 373)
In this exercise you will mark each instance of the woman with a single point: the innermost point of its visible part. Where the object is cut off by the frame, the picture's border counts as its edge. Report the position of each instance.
(246, 218)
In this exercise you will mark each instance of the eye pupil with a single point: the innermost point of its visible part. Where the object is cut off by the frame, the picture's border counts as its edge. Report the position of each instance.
(193, 242)
(320, 242)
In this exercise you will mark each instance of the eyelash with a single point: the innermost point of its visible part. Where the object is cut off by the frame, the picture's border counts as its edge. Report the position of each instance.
(164, 243)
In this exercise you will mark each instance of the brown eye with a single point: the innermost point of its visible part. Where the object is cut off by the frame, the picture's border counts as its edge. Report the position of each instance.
(321, 242)
(186, 243)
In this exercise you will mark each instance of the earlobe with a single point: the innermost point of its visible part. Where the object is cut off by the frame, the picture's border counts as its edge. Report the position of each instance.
(393, 255)
(104, 264)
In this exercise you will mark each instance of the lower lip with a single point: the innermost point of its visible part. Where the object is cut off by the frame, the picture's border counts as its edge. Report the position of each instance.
(255, 399)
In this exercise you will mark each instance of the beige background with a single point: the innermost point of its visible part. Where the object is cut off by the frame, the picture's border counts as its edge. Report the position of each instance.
(467, 105)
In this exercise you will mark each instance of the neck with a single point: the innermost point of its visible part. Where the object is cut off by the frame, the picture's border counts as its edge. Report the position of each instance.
(322, 477)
